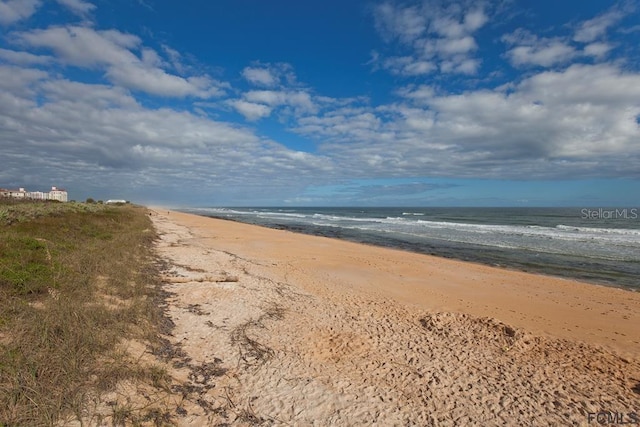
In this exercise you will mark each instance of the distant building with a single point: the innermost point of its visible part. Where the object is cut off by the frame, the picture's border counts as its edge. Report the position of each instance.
(115, 202)
(55, 194)
(58, 194)
(16, 194)
(38, 195)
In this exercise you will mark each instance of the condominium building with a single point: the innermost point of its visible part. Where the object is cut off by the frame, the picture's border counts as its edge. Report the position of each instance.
(55, 194)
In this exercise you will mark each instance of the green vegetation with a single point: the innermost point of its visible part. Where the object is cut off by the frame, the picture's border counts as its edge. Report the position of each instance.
(75, 281)
(13, 211)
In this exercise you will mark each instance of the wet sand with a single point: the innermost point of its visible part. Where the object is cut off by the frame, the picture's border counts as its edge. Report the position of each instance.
(289, 329)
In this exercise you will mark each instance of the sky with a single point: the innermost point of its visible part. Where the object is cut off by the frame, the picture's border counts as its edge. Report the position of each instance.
(323, 103)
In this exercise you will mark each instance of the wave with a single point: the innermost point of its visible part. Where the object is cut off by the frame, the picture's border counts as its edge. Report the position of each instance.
(567, 237)
(592, 249)
(284, 214)
(548, 241)
(623, 231)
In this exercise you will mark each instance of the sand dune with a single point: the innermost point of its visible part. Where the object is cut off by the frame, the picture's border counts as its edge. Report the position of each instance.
(276, 328)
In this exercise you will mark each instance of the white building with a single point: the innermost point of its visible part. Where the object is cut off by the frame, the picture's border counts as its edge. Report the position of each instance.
(38, 195)
(55, 194)
(58, 194)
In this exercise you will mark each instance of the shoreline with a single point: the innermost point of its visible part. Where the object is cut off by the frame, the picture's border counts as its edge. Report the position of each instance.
(539, 243)
(283, 328)
(452, 258)
(568, 308)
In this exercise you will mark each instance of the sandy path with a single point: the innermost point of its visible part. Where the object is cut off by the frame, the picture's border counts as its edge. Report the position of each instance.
(283, 329)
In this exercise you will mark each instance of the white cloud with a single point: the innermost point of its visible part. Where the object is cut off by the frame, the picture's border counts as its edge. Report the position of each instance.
(406, 24)
(175, 58)
(156, 81)
(93, 95)
(84, 47)
(438, 36)
(447, 26)
(23, 58)
(19, 81)
(581, 121)
(79, 7)
(597, 50)
(299, 100)
(420, 94)
(546, 53)
(594, 28)
(463, 66)
(341, 124)
(475, 19)
(270, 75)
(408, 66)
(456, 46)
(85, 135)
(629, 30)
(251, 111)
(417, 68)
(151, 58)
(15, 10)
(112, 51)
(575, 121)
(269, 97)
(260, 76)
(529, 50)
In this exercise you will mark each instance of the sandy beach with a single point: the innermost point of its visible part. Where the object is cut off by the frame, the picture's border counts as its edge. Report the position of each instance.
(278, 328)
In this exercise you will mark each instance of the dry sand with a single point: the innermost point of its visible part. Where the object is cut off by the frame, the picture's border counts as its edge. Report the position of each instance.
(278, 328)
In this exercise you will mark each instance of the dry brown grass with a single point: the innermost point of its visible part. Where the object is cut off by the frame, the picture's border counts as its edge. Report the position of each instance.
(74, 282)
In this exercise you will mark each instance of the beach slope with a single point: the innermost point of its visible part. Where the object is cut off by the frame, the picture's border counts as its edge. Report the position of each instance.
(278, 328)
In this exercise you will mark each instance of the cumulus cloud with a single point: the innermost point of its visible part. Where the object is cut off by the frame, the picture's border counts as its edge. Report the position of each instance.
(94, 95)
(23, 58)
(597, 50)
(251, 111)
(545, 54)
(408, 66)
(257, 104)
(464, 66)
(438, 37)
(83, 46)
(15, 10)
(341, 124)
(79, 7)
(59, 128)
(417, 94)
(565, 120)
(529, 50)
(260, 76)
(581, 121)
(20, 81)
(406, 24)
(592, 29)
(113, 51)
(588, 40)
(158, 82)
(456, 46)
(270, 75)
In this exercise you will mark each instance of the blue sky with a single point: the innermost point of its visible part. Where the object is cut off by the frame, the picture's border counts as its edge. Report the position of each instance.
(246, 103)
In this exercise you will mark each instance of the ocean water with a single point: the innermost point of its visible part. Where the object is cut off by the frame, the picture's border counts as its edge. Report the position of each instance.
(599, 245)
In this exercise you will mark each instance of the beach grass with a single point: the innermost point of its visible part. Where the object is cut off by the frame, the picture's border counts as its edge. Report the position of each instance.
(76, 280)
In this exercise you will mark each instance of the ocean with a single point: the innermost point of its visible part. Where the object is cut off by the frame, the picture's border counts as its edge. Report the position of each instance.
(598, 245)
